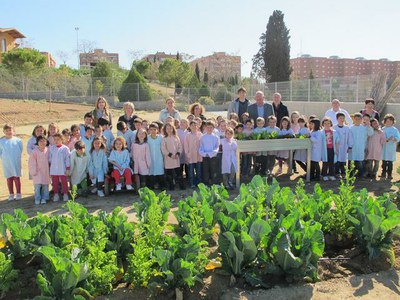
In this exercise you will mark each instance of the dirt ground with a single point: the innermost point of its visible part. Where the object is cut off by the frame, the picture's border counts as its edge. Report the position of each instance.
(26, 114)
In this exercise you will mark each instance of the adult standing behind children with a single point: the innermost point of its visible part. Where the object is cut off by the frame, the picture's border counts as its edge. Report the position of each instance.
(240, 105)
(260, 108)
(129, 115)
(102, 111)
(331, 113)
(280, 110)
(169, 110)
(369, 109)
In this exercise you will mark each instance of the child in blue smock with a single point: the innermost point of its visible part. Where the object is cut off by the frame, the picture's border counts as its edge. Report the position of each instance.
(10, 154)
(316, 138)
(389, 149)
(98, 165)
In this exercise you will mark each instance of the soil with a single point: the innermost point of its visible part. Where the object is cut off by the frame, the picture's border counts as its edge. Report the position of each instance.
(340, 278)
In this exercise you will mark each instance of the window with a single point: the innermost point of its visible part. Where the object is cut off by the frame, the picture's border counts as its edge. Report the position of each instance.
(3, 45)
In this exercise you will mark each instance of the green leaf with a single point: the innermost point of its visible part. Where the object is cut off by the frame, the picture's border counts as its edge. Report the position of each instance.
(259, 229)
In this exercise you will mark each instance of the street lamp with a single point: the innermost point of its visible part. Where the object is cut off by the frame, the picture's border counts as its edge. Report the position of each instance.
(77, 44)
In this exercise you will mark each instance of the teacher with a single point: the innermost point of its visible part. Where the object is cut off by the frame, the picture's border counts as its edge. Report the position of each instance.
(260, 108)
(129, 116)
(169, 110)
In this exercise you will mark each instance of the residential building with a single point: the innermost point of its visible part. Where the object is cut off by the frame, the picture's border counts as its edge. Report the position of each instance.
(50, 61)
(220, 66)
(8, 38)
(334, 66)
(159, 57)
(90, 59)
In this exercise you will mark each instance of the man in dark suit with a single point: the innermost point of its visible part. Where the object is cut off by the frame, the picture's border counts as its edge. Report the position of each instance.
(260, 108)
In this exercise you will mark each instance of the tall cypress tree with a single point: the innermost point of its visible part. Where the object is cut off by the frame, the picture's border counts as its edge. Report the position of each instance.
(205, 77)
(272, 61)
(197, 71)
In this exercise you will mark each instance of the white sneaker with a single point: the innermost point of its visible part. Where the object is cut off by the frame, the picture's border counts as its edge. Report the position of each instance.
(18, 197)
(118, 187)
(332, 178)
(37, 202)
(94, 190)
(11, 197)
(100, 193)
(325, 178)
(43, 201)
(129, 187)
(56, 198)
(65, 197)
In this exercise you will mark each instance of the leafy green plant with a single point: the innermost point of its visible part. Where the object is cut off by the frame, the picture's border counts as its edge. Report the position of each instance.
(8, 274)
(377, 223)
(62, 275)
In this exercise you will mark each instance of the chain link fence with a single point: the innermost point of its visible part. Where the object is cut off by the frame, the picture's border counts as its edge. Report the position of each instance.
(86, 89)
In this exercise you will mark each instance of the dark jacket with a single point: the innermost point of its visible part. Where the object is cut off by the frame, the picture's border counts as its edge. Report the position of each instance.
(130, 123)
(280, 112)
(253, 112)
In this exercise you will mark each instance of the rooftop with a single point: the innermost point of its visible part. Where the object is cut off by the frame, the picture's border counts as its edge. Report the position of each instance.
(13, 32)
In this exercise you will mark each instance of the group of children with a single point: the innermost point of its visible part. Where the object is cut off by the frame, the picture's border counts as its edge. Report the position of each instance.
(157, 155)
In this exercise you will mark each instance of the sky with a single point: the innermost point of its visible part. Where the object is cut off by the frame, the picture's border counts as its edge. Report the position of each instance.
(133, 28)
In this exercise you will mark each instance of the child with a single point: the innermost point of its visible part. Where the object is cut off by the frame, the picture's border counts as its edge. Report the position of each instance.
(120, 159)
(38, 165)
(345, 143)
(366, 118)
(194, 159)
(80, 168)
(245, 116)
(229, 163)
(104, 124)
(330, 148)
(171, 148)
(32, 142)
(51, 131)
(10, 154)
(360, 135)
(209, 146)
(98, 165)
(234, 116)
(75, 136)
(87, 120)
(316, 149)
(285, 132)
(156, 174)
(246, 158)
(102, 111)
(232, 124)
(294, 122)
(138, 123)
(66, 136)
(271, 155)
(389, 148)
(248, 127)
(182, 132)
(374, 150)
(141, 157)
(145, 125)
(59, 166)
(126, 133)
(87, 139)
(300, 156)
(222, 128)
(190, 118)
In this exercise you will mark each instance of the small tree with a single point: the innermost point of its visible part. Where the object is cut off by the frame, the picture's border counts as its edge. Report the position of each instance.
(134, 88)
(99, 87)
(205, 77)
(24, 62)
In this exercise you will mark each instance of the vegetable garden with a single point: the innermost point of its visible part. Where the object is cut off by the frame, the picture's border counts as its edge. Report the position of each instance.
(267, 233)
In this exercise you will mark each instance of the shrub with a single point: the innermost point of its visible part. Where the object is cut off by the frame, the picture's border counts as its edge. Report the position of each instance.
(206, 100)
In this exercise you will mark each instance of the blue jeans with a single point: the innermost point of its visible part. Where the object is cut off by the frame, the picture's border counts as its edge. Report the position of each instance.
(41, 192)
(194, 174)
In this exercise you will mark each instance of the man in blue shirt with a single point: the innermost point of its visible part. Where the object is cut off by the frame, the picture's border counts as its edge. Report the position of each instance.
(260, 108)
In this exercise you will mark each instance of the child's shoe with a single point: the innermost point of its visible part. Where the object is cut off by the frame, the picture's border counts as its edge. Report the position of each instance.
(56, 198)
(43, 201)
(11, 197)
(37, 202)
(118, 187)
(332, 178)
(129, 187)
(94, 190)
(18, 197)
(325, 178)
(65, 197)
(100, 193)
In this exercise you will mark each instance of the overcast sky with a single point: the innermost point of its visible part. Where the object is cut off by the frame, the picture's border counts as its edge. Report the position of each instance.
(199, 27)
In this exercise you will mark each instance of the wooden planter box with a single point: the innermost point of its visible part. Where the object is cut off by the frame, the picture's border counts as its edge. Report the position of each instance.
(274, 145)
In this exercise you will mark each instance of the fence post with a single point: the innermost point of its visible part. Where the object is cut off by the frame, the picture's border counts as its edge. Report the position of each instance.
(189, 96)
(330, 88)
(276, 87)
(138, 94)
(291, 89)
(309, 90)
(91, 88)
(357, 88)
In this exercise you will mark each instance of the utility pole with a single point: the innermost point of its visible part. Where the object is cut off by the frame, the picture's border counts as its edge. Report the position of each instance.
(77, 45)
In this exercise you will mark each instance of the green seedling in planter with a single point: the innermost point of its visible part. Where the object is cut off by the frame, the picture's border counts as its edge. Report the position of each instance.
(241, 136)
(8, 275)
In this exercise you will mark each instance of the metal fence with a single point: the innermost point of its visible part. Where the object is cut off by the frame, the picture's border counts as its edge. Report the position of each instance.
(86, 89)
